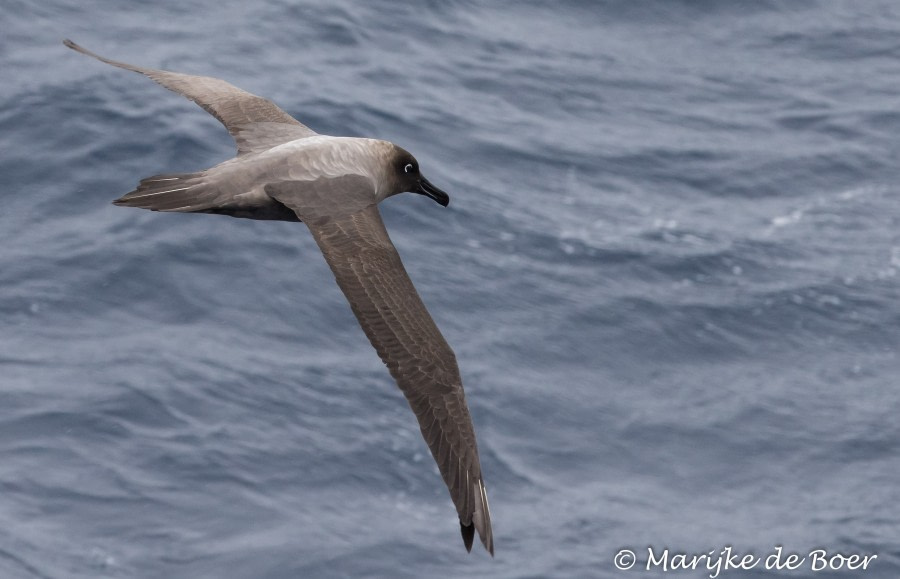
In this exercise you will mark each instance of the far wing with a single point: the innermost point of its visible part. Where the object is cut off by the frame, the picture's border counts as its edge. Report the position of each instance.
(254, 122)
(369, 272)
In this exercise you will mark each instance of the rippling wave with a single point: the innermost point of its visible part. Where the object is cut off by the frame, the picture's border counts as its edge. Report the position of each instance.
(669, 272)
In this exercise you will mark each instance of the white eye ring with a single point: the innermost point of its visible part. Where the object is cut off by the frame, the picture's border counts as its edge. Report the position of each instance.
(408, 168)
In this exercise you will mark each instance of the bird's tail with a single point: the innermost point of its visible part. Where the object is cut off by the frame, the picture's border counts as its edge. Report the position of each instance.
(172, 192)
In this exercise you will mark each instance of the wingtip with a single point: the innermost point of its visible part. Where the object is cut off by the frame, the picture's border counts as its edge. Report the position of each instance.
(78, 48)
(72, 45)
(481, 517)
(488, 542)
(468, 535)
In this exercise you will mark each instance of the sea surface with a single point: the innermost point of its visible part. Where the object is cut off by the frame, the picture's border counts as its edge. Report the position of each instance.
(670, 271)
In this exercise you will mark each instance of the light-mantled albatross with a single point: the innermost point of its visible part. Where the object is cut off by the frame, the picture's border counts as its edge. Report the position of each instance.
(286, 171)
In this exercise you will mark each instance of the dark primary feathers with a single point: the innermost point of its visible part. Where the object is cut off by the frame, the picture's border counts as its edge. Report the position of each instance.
(333, 185)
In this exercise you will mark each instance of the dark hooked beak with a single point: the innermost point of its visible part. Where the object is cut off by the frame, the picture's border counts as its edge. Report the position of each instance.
(429, 190)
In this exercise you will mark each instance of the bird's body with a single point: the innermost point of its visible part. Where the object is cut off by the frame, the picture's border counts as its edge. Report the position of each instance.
(237, 186)
(286, 171)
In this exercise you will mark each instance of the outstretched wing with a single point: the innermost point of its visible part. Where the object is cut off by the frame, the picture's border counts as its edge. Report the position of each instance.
(254, 122)
(368, 270)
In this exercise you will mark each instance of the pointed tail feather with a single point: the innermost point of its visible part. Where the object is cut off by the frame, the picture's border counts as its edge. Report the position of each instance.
(172, 192)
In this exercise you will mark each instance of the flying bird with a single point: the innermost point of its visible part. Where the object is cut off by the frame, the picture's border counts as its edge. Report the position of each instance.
(286, 171)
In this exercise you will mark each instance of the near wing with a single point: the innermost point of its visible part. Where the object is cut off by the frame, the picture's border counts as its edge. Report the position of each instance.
(254, 122)
(369, 272)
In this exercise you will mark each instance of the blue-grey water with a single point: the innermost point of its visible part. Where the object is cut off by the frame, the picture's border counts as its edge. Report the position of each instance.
(669, 272)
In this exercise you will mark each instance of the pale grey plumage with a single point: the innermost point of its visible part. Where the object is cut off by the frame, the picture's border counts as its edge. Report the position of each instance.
(286, 171)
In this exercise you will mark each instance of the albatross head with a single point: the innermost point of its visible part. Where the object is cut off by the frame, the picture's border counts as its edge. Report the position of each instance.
(406, 172)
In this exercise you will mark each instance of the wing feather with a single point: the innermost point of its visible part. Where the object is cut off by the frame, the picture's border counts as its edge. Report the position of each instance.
(368, 270)
(255, 122)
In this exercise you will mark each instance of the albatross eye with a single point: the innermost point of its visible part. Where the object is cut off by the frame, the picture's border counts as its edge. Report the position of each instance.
(408, 168)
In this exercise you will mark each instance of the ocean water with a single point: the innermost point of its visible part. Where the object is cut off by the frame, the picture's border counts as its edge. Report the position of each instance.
(669, 271)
